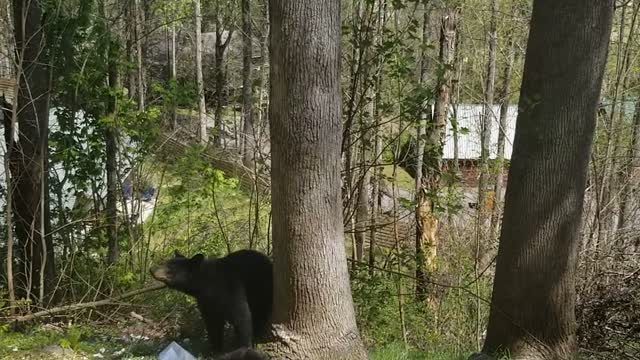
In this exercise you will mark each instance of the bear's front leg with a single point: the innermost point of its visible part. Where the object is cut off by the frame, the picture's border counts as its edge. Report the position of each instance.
(215, 333)
(215, 330)
(241, 320)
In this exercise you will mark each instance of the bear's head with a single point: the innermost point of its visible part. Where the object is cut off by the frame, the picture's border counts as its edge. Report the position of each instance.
(180, 272)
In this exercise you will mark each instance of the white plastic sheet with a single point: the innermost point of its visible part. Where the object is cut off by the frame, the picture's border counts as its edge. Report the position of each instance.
(175, 352)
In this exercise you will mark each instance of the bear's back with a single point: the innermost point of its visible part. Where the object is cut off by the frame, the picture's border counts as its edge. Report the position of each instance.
(250, 268)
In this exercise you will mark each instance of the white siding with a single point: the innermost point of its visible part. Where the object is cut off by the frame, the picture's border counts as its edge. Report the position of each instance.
(469, 143)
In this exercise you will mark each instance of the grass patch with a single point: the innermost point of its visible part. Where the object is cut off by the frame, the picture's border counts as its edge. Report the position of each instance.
(399, 352)
(403, 179)
(86, 342)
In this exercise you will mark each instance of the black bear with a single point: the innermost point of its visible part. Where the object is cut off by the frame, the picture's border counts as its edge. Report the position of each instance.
(243, 354)
(236, 288)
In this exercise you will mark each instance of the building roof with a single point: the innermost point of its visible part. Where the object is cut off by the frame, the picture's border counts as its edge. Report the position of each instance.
(469, 116)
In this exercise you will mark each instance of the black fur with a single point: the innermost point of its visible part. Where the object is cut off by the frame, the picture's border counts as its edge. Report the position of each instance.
(236, 288)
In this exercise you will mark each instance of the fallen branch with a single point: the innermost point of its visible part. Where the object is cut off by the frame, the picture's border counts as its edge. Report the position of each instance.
(90, 304)
(141, 318)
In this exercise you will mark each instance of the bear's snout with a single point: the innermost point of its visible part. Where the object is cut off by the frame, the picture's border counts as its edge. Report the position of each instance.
(160, 273)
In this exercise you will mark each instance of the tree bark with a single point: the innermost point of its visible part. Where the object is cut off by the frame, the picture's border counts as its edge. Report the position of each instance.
(629, 204)
(362, 215)
(202, 108)
(111, 149)
(313, 314)
(455, 99)
(504, 110)
(131, 39)
(28, 168)
(532, 309)
(607, 183)
(427, 220)
(9, 120)
(377, 139)
(220, 79)
(421, 199)
(362, 207)
(623, 169)
(173, 75)
(486, 121)
(247, 88)
(139, 19)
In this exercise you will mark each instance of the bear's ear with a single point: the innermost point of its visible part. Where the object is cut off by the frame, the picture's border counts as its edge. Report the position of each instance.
(197, 259)
(177, 254)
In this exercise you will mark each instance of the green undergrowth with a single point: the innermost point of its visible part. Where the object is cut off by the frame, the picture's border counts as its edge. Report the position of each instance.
(201, 209)
(398, 351)
(403, 179)
(87, 342)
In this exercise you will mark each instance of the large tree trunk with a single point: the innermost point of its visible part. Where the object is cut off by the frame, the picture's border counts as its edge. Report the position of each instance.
(28, 168)
(202, 108)
(426, 209)
(247, 89)
(313, 313)
(532, 309)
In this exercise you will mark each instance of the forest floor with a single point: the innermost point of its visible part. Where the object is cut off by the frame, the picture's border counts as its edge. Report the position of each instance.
(52, 342)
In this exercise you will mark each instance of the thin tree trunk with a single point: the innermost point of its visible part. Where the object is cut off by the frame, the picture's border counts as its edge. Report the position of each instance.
(455, 100)
(348, 143)
(220, 79)
(366, 121)
(174, 74)
(247, 89)
(9, 122)
(423, 115)
(313, 312)
(138, 16)
(604, 213)
(377, 140)
(202, 108)
(620, 239)
(426, 213)
(262, 83)
(487, 121)
(375, 193)
(131, 41)
(111, 149)
(532, 312)
(629, 203)
(504, 111)
(397, 248)
(362, 209)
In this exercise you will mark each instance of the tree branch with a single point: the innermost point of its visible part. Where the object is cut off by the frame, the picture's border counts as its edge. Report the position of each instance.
(90, 304)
